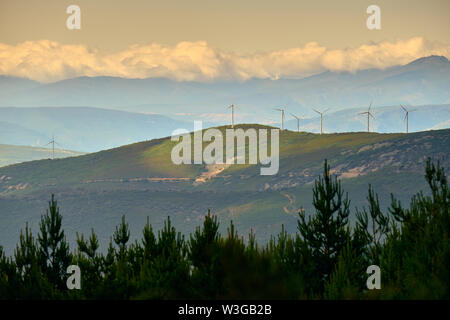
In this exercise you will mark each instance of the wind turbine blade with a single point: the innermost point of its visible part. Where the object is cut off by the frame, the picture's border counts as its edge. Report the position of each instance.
(371, 115)
(404, 108)
(316, 111)
(370, 106)
(325, 110)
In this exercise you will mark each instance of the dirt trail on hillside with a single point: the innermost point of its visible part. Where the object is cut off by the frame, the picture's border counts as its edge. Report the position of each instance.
(291, 199)
(212, 170)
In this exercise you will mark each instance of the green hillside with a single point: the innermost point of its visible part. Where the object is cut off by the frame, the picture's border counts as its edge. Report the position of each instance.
(10, 154)
(151, 159)
(139, 180)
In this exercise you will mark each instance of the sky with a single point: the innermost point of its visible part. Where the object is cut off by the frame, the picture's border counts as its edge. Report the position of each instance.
(206, 40)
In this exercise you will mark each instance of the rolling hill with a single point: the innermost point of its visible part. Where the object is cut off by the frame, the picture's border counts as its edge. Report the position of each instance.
(10, 154)
(139, 180)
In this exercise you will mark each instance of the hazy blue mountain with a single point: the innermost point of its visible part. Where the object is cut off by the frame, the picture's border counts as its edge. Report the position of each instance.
(421, 82)
(93, 129)
(11, 133)
(13, 86)
(10, 154)
(82, 129)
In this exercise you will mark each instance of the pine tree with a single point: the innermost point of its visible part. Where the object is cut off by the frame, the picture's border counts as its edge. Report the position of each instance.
(123, 268)
(148, 242)
(90, 261)
(33, 283)
(54, 252)
(121, 237)
(325, 233)
(166, 276)
(203, 243)
(4, 285)
(368, 235)
(347, 279)
(423, 246)
(204, 252)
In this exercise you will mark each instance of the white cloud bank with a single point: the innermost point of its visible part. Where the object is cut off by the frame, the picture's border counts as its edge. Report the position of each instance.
(48, 61)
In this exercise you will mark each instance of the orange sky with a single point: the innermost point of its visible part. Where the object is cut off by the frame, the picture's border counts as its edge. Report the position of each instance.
(212, 39)
(236, 25)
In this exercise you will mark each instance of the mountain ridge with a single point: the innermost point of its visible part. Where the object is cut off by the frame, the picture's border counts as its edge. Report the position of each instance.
(423, 81)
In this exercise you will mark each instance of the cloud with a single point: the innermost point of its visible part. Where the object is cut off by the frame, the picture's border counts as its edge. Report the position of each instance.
(48, 61)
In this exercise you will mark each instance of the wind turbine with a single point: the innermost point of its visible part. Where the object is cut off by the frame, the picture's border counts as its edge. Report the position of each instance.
(232, 114)
(321, 116)
(53, 142)
(298, 121)
(406, 115)
(369, 114)
(282, 117)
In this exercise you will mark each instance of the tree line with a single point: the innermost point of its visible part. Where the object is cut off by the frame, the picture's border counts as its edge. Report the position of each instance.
(326, 258)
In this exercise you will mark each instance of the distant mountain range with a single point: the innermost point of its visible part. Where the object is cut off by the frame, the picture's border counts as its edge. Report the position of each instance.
(82, 129)
(93, 129)
(140, 180)
(16, 154)
(385, 120)
(425, 81)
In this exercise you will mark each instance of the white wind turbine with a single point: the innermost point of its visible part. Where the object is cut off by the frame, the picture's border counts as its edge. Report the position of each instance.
(53, 142)
(282, 117)
(406, 115)
(298, 121)
(321, 117)
(369, 114)
(232, 114)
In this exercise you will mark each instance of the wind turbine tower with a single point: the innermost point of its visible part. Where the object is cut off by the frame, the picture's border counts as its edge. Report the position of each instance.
(406, 115)
(232, 114)
(298, 121)
(53, 142)
(282, 117)
(321, 117)
(369, 114)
